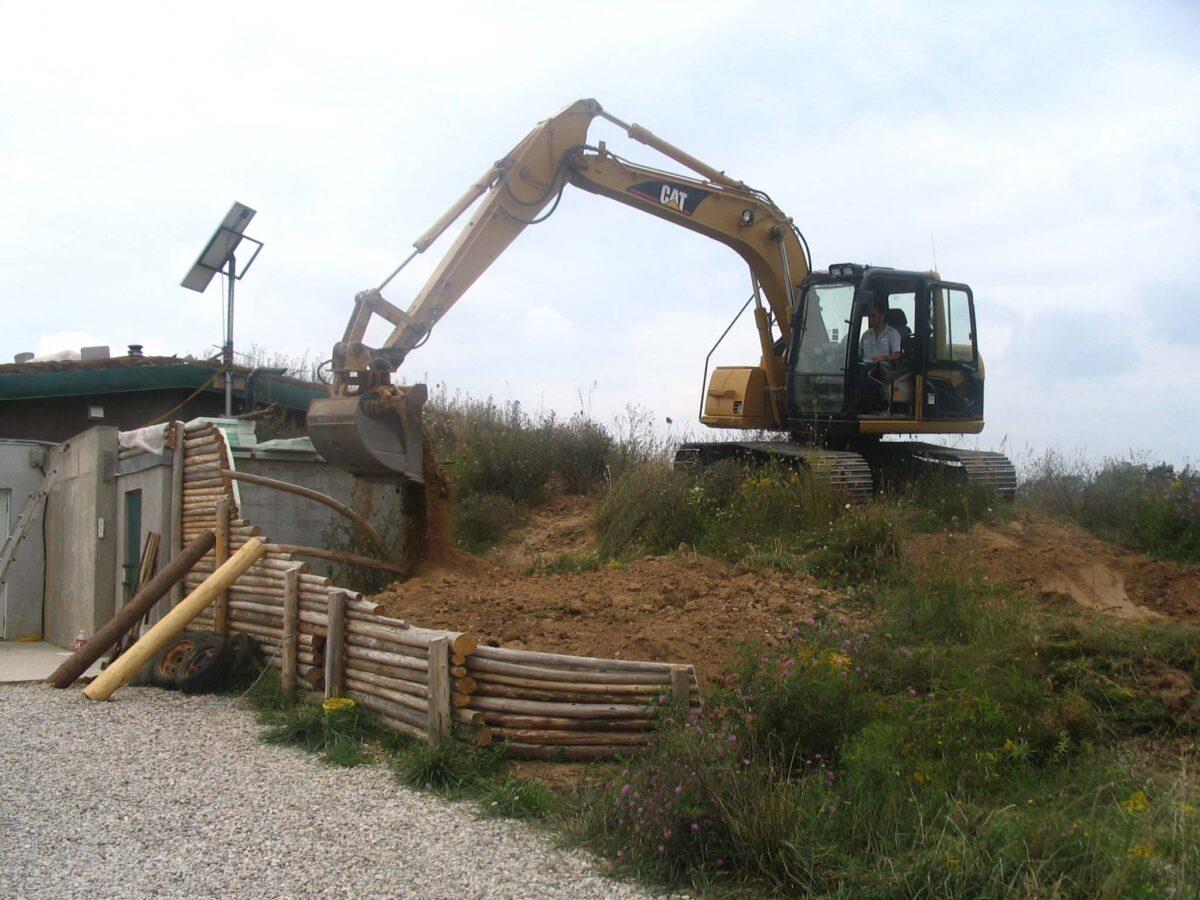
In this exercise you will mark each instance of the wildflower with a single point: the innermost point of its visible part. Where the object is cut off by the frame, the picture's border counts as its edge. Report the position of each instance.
(1141, 851)
(625, 789)
(1135, 803)
(662, 849)
(695, 828)
(1187, 809)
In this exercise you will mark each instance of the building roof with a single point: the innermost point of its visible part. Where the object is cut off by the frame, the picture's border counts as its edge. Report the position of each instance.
(122, 374)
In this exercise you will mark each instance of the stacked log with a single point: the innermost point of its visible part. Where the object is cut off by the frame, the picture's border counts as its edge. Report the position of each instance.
(423, 682)
(555, 706)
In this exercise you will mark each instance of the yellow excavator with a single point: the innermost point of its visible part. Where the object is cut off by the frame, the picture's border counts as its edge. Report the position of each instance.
(810, 384)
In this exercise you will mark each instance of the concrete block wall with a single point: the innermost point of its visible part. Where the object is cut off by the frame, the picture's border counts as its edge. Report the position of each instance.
(81, 536)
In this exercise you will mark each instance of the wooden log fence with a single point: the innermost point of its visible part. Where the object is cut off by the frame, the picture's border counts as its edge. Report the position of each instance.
(431, 684)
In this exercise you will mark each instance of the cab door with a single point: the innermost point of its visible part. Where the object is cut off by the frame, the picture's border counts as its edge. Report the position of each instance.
(952, 382)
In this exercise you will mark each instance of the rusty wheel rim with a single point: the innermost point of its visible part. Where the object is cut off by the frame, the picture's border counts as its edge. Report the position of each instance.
(197, 661)
(175, 657)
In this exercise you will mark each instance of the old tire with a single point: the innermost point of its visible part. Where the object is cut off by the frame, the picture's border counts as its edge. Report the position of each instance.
(175, 651)
(245, 649)
(205, 667)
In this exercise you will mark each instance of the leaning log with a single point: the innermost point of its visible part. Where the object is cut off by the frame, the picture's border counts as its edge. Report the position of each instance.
(131, 612)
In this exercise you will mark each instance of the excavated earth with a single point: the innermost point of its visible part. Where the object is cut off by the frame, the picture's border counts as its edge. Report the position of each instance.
(1058, 562)
(680, 607)
(688, 608)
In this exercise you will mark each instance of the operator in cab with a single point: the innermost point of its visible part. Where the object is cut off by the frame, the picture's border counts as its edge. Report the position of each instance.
(878, 344)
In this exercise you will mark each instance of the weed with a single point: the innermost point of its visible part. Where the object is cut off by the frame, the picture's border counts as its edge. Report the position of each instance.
(973, 746)
(481, 520)
(564, 564)
(862, 546)
(517, 798)
(455, 768)
(1154, 508)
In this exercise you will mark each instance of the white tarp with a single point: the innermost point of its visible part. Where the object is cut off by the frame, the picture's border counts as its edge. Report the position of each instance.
(151, 439)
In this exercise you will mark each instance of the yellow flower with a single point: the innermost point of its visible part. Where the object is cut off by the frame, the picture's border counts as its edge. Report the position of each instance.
(1186, 808)
(952, 861)
(1135, 803)
(1141, 851)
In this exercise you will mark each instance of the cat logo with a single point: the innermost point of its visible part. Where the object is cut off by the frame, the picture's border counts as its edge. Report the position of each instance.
(680, 198)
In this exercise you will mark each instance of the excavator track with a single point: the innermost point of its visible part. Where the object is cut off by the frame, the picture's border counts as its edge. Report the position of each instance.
(908, 459)
(846, 472)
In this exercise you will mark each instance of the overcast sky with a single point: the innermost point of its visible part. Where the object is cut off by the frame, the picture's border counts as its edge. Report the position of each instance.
(1050, 153)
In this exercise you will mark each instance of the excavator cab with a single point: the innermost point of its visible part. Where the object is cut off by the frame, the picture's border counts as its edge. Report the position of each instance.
(935, 386)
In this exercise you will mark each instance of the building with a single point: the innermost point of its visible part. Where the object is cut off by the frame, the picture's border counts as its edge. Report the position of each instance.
(54, 400)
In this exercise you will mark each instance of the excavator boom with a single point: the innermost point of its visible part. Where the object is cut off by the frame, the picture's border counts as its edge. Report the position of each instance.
(371, 428)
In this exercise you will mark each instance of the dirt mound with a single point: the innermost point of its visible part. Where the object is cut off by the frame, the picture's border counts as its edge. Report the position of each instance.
(681, 607)
(1058, 561)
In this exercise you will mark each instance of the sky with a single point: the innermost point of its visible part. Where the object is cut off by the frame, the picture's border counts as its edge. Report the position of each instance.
(1046, 154)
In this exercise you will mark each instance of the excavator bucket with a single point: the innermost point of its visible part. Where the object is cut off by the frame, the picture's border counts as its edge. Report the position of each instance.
(374, 436)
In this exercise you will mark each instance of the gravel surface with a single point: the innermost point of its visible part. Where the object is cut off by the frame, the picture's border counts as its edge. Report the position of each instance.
(159, 794)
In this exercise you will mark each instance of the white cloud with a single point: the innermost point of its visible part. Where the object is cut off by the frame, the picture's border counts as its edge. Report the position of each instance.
(1051, 151)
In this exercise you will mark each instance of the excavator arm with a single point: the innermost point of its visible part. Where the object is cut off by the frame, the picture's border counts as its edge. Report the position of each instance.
(352, 427)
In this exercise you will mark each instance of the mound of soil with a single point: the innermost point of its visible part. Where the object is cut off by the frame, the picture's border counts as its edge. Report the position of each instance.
(682, 607)
(1058, 561)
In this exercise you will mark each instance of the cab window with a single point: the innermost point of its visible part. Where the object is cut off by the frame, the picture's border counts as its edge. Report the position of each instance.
(950, 321)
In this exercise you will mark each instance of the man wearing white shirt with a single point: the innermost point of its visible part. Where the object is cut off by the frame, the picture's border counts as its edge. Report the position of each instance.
(879, 343)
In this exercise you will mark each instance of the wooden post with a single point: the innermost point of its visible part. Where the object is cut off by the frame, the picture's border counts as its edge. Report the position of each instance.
(177, 504)
(139, 604)
(437, 727)
(681, 684)
(173, 622)
(220, 555)
(335, 644)
(291, 628)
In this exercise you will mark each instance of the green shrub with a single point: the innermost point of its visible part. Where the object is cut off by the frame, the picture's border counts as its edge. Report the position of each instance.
(1154, 508)
(481, 520)
(940, 756)
(862, 546)
(940, 501)
(517, 798)
(650, 509)
(455, 768)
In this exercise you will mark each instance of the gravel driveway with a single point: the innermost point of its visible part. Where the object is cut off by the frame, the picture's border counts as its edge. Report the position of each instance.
(159, 794)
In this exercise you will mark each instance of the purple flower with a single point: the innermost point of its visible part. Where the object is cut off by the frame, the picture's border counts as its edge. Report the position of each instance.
(695, 828)
(662, 849)
(679, 788)
(625, 789)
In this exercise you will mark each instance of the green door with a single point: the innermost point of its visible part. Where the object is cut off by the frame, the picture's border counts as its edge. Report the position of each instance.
(133, 540)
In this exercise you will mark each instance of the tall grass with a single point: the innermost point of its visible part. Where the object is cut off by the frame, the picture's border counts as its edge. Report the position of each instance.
(1151, 507)
(956, 750)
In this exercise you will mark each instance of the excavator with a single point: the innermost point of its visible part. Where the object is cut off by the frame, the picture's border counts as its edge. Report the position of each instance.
(831, 409)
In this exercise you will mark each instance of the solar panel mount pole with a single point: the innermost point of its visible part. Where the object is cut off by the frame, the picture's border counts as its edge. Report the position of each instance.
(228, 355)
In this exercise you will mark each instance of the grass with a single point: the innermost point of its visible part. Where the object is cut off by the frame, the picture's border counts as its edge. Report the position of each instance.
(971, 745)
(502, 460)
(349, 736)
(1150, 507)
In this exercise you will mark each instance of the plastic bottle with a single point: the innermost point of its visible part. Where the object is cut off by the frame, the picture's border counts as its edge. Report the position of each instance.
(80, 640)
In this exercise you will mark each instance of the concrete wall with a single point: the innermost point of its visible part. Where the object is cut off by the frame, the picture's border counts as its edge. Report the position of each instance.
(152, 476)
(21, 597)
(81, 537)
(289, 519)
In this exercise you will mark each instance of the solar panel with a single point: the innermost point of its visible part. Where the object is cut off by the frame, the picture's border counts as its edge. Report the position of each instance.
(215, 255)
